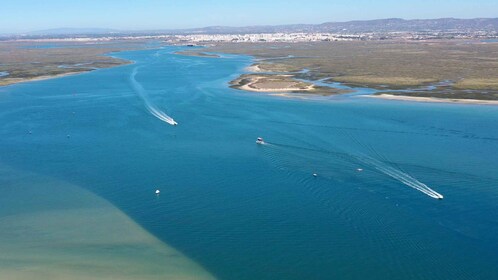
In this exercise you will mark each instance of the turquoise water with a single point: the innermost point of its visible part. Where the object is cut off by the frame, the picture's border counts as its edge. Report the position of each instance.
(247, 211)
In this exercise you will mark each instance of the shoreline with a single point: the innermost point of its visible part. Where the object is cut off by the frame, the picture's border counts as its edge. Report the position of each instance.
(13, 81)
(256, 71)
(254, 68)
(383, 66)
(251, 86)
(28, 62)
(256, 79)
(432, 99)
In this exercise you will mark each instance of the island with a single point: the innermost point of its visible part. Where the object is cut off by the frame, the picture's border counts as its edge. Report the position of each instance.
(445, 69)
(23, 61)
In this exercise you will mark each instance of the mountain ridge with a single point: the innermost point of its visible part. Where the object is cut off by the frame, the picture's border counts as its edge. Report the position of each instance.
(355, 26)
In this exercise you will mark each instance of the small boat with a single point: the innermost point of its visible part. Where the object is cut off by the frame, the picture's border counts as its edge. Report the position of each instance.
(260, 141)
(158, 192)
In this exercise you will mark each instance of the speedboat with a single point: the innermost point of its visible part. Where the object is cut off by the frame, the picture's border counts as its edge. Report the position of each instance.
(260, 141)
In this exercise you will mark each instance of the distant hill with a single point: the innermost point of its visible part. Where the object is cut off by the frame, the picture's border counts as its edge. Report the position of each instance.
(397, 24)
(380, 25)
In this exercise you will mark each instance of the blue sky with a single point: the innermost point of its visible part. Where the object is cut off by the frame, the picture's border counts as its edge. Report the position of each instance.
(29, 15)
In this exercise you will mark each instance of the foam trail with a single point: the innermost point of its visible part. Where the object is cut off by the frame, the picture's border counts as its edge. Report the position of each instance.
(380, 166)
(401, 176)
(150, 106)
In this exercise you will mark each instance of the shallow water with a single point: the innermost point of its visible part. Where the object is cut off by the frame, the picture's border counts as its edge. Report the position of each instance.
(247, 211)
(50, 230)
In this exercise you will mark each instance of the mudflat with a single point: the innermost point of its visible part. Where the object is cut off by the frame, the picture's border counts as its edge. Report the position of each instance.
(455, 69)
(26, 61)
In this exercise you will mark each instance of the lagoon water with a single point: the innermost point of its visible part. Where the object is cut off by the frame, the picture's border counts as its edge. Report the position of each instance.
(231, 209)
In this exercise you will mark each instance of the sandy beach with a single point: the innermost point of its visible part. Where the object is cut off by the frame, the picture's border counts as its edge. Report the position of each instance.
(254, 68)
(10, 81)
(280, 83)
(434, 99)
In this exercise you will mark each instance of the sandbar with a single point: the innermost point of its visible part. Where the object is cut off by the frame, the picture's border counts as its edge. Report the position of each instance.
(53, 230)
(433, 99)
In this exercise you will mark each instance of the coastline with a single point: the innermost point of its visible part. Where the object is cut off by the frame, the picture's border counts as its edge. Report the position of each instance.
(432, 99)
(254, 68)
(29, 62)
(250, 82)
(273, 84)
(257, 79)
(13, 81)
(383, 66)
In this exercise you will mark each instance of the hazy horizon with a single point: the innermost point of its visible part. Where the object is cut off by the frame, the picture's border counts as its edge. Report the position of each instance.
(96, 29)
(157, 15)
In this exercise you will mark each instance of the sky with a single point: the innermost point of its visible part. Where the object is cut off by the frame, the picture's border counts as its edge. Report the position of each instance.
(31, 15)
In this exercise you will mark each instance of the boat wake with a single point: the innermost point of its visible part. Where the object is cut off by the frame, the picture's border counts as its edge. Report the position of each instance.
(400, 176)
(151, 107)
(348, 160)
(396, 173)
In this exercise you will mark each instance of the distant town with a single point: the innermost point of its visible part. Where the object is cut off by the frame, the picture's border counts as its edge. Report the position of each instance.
(271, 37)
(324, 37)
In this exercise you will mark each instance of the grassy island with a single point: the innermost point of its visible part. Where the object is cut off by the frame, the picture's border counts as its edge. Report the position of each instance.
(453, 69)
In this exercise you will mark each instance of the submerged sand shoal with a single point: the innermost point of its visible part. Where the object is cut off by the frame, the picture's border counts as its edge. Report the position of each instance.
(51, 230)
(197, 53)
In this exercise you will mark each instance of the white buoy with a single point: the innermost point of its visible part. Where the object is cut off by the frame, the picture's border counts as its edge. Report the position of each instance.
(315, 175)
(158, 191)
